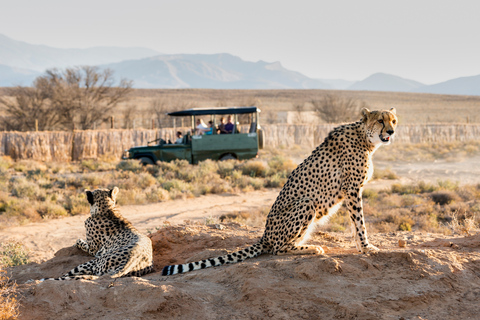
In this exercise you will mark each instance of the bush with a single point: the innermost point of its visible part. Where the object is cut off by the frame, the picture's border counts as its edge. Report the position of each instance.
(49, 209)
(77, 204)
(255, 169)
(23, 188)
(130, 165)
(13, 253)
(444, 197)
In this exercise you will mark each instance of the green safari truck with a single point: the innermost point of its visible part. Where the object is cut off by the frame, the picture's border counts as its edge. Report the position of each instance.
(241, 142)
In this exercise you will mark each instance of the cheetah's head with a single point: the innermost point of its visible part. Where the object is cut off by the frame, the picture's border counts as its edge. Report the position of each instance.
(380, 125)
(101, 199)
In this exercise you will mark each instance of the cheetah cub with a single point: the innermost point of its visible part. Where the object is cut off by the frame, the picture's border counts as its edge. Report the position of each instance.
(119, 249)
(335, 172)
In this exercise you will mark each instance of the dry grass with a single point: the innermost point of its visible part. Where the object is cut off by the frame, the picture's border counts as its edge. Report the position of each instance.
(9, 304)
(12, 253)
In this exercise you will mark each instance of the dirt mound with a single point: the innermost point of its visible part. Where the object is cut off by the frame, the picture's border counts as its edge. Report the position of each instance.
(433, 277)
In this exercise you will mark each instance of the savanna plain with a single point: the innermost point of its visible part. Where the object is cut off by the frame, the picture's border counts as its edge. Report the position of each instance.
(422, 210)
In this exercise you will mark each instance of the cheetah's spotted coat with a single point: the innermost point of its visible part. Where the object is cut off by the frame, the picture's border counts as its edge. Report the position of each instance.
(120, 250)
(335, 172)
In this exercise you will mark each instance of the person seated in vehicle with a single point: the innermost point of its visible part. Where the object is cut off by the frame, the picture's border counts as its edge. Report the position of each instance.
(221, 126)
(229, 125)
(179, 138)
(201, 127)
(210, 128)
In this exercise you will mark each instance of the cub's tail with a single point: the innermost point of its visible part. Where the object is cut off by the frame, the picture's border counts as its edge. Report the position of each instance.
(239, 256)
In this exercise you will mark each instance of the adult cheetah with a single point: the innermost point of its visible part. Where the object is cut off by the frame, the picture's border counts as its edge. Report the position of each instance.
(120, 250)
(335, 172)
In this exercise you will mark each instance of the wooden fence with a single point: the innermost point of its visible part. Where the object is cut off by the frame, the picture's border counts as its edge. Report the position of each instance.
(65, 146)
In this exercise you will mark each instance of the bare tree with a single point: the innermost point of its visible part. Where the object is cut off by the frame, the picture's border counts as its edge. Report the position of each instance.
(85, 95)
(159, 108)
(128, 116)
(28, 109)
(74, 98)
(333, 109)
(299, 108)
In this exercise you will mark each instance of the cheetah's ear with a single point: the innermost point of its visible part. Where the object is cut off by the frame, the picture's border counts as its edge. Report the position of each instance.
(113, 193)
(393, 110)
(89, 197)
(365, 114)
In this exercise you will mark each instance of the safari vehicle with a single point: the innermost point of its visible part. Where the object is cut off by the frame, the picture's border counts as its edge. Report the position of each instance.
(242, 143)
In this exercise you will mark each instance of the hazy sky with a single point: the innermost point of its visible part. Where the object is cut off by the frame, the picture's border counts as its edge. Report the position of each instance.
(425, 40)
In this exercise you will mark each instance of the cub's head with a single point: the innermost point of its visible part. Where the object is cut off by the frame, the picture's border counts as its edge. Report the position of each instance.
(101, 199)
(380, 125)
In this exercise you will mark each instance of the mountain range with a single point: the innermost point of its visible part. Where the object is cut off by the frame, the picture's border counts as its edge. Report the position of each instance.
(21, 63)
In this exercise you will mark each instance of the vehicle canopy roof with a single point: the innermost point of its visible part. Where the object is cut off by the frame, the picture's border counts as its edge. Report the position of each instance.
(206, 111)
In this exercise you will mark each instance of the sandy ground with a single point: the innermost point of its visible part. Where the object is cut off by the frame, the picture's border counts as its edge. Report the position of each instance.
(433, 277)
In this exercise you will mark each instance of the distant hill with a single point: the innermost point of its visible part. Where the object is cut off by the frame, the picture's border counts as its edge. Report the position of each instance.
(338, 84)
(385, 82)
(10, 76)
(23, 55)
(463, 86)
(218, 71)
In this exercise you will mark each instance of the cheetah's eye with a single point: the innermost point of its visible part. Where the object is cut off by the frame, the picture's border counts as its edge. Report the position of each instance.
(380, 121)
(394, 121)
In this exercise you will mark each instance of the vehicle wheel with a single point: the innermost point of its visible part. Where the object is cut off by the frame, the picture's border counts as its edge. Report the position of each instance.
(145, 160)
(261, 138)
(227, 156)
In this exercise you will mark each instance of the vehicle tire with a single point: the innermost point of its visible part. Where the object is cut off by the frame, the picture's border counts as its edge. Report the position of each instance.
(146, 160)
(261, 138)
(227, 156)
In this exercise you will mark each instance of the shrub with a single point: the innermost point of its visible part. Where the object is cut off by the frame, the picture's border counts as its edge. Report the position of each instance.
(77, 204)
(98, 165)
(254, 169)
(405, 226)
(156, 194)
(418, 188)
(281, 164)
(444, 197)
(275, 181)
(13, 253)
(23, 188)
(130, 165)
(144, 180)
(226, 168)
(384, 174)
(49, 209)
(5, 162)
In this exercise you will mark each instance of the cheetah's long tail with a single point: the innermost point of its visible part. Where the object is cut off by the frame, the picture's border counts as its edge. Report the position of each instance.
(239, 256)
(77, 277)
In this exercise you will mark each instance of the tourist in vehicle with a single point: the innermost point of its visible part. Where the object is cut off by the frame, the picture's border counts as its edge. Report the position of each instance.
(229, 125)
(179, 138)
(210, 128)
(221, 126)
(201, 127)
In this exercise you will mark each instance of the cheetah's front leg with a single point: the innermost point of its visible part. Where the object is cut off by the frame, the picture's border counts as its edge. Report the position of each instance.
(82, 245)
(355, 207)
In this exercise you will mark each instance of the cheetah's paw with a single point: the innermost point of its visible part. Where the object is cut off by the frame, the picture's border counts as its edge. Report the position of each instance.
(370, 248)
